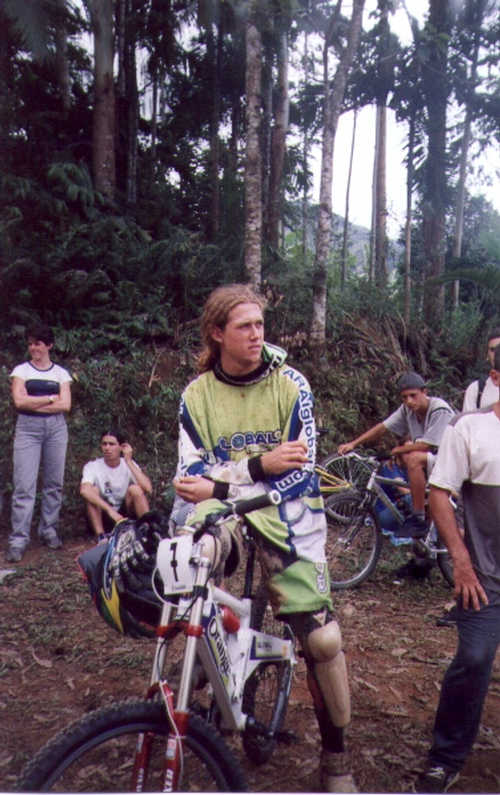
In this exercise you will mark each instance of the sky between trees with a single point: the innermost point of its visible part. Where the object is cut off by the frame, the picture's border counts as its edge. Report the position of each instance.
(487, 165)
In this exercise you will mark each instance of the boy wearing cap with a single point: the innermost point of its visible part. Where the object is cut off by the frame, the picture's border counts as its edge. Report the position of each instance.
(421, 420)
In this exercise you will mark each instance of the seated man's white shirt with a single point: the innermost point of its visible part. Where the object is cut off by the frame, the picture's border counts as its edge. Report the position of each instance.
(112, 482)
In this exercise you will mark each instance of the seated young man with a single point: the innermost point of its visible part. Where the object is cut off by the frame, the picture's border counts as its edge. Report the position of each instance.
(114, 486)
(422, 420)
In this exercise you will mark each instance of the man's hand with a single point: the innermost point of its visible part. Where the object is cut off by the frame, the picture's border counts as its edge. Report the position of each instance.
(114, 515)
(287, 455)
(467, 585)
(127, 451)
(194, 488)
(345, 448)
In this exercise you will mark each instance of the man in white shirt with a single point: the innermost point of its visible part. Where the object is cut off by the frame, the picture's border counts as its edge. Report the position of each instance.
(114, 486)
(483, 392)
(468, 462)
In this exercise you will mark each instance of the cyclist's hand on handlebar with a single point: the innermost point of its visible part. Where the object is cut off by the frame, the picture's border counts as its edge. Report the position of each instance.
(287, 455)
(345, 448)
(194, 488)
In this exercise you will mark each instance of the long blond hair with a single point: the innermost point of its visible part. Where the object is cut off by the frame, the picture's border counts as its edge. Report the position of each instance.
(215, 314)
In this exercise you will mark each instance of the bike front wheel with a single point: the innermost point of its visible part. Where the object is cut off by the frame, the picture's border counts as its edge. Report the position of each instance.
(340, 473)
(98, 753)
(354, 541)
(266, 692)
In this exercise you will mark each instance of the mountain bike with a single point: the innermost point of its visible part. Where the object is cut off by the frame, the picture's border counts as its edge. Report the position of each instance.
(170, 741)
(338, 473)
(355, 538)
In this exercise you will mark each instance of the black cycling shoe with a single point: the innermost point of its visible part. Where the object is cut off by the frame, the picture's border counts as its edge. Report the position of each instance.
(448, 619)
(416, 570)
(414, 526)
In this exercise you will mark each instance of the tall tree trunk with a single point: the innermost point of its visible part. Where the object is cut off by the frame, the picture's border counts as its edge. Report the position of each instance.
(62, 62)
(373, 227)
(253, 164)
(128, 100)
(479, 9)
(334, 96)
(436, 91)
(381, 200)
(278, 144)
(343, 261)
(266, 97)
(132, 107)
(103, 141)
(305, 153)
(154, 118)
(409, 214)
(214, 53)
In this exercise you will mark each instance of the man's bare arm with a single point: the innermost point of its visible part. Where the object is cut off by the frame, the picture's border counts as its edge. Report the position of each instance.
(467, 585)
(371, 435)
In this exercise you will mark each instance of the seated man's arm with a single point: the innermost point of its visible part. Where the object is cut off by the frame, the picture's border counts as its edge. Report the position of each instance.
(90, 494)
(371, 435)
(139, 475)
(409, 447)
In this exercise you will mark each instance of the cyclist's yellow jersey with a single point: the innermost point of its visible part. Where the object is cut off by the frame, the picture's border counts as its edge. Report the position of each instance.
(226, 423)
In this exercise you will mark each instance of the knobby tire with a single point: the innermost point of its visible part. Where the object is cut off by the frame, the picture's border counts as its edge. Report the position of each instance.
(354, 541)
(96, 754)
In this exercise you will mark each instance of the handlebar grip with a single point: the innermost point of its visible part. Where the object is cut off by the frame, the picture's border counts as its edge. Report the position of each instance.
(255, 503)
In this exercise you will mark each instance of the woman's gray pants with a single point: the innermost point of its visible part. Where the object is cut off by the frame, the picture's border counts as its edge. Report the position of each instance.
(38, 440)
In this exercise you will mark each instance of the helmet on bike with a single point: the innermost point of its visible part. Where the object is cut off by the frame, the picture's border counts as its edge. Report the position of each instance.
(119, 574)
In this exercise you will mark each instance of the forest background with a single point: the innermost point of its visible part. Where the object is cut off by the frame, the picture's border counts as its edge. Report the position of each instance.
(175, 153)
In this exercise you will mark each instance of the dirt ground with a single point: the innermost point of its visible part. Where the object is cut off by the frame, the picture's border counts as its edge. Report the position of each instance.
(59, 660)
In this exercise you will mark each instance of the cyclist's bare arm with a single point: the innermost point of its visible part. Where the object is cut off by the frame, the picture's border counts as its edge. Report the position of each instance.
(467, 585)
(371, 435)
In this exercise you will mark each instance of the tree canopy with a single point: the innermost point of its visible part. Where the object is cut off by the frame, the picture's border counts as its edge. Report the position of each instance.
(152, 150)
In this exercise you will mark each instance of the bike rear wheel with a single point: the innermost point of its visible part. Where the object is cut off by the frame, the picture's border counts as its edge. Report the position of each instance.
(266, 692)
(354, 541)
(97, 754)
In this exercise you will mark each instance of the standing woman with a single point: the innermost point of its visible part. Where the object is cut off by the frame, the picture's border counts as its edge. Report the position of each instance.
(41, 395)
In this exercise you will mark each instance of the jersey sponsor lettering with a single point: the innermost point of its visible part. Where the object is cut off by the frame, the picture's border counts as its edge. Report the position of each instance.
(321, 578)
(243, 439)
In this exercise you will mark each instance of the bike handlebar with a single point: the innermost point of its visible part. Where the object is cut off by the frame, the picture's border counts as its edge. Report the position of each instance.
(241, 508)
(256, 503)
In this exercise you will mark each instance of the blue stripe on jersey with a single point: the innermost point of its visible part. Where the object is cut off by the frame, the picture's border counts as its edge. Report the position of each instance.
(188, 425)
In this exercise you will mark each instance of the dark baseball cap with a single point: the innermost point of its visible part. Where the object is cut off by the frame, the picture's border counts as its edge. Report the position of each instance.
(411, 381)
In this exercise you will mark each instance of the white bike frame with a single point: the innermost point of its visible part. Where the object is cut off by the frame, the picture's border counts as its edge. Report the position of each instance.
(217, 629)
